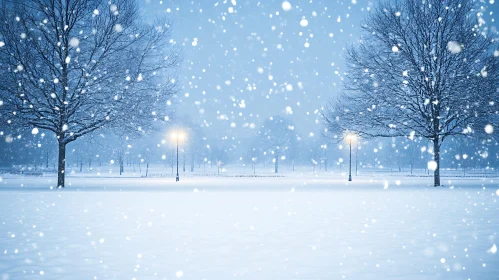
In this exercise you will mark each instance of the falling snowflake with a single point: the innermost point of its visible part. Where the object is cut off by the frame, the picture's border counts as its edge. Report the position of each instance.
(489, 129)
(74, 42)
(454, 47)
(493, 249)
(432, 165)
(286, 6)
(118, 28)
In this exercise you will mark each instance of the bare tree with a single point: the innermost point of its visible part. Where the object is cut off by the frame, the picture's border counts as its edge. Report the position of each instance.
(276, 135)
(252, 155)
(422, 68)
(75, 66)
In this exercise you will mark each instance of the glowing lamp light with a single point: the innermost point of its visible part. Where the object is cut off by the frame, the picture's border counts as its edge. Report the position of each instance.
(177, 136)
(350, 137)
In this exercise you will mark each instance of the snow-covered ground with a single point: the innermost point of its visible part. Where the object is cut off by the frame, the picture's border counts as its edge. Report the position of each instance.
(300, 226)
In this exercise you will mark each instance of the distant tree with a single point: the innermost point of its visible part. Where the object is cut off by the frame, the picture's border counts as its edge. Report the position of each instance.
(423, 67)
(85, 150)
(295, 150)
(312, 151)
(219, 155)
(74, 66)
(276, 135)
(412, 152)
(37, 149)
(253, 154)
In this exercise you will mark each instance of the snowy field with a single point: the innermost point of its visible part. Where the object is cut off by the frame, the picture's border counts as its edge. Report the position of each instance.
(300, 226)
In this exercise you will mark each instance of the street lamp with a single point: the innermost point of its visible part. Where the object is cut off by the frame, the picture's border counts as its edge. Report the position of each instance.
(357, 148)
(176, 136)
(325, 156)
(350, 137)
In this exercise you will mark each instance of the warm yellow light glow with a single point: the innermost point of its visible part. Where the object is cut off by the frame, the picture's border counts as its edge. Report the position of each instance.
(350, 137)
(177, 135)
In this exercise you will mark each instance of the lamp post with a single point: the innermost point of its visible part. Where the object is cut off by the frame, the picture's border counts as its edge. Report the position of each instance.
(325, 156)
(177, 136)
(350, 164)
(350, 138)
(177, 178)
(356, 157)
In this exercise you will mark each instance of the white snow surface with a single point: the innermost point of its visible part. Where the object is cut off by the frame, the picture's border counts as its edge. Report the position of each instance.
(206, 227)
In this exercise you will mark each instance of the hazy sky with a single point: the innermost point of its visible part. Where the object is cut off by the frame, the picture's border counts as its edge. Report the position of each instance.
(247, 60)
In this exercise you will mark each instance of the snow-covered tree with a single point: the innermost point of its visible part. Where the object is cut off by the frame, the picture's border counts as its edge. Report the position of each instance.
(74, 66)
(423, 68)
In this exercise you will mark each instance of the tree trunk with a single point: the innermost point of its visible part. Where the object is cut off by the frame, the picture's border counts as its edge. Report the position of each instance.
(61, 167)
(276, 168)
(436, 158)
(147, 168)
(192, 163)
(183, 165)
